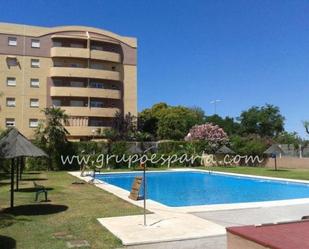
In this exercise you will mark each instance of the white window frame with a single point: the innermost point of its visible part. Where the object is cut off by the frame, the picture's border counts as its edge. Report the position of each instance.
(35, 43)
(10, 80)
(33, 123)
(35, 63)
(10, 102)
(12, 41)
(34, 85)
(34, 103)
(10, 122)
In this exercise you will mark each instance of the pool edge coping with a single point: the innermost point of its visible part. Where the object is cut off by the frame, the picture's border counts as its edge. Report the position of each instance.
(156, 207)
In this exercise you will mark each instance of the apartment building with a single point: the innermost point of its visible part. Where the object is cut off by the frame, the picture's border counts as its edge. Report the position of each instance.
(88, 72)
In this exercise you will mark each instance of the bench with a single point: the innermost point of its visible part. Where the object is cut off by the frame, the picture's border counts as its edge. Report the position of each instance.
(38, 190)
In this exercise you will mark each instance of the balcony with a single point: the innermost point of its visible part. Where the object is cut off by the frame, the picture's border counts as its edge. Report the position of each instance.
(83, 130)
(69, 52)
(105, 56)
(84, 73)
(90, 112)
(84, 92)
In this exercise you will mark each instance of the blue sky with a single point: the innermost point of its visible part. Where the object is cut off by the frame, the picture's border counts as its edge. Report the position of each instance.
(243, 52)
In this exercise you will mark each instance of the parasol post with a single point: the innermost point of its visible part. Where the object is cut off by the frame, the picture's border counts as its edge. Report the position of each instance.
(12, 183)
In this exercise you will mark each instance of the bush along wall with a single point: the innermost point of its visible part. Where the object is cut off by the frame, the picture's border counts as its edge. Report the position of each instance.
(95, 153)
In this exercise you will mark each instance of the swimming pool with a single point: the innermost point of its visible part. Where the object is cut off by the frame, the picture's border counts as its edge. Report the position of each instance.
(190, 188)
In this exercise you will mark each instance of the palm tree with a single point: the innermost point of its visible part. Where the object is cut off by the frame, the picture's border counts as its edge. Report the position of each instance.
(51, 134)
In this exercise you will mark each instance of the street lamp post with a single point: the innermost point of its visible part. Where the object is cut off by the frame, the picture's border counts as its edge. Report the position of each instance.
(215, 102)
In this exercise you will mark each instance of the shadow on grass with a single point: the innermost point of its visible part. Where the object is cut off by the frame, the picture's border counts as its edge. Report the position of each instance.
(4, 184)
(278, 170)
(28, 190)
(7, 242)
(32, 173)
(36, 209)
(6, 220)
(34, 179)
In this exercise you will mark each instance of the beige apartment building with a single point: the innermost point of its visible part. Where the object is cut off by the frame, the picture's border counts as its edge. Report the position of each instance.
(88, 72)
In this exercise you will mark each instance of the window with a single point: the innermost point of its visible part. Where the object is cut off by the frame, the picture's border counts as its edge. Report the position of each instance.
(11, 81)
(10, 102)
(35, 43)
(96, 84)
(34, 83)
(56, 102)
(97, 66)
(76, 65)
(96, 47)
(33, 123)
(10, 122)
(76, 45)
(57, 44)
(96, 103)
(77, 103)
(12, 61)
(12, 41)
(35, 63)
(58, 64)
(34, 103)
(77, 84)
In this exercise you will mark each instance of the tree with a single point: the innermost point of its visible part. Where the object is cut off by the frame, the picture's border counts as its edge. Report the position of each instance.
(265, 121)
(51, 133)
(228, 124)
(249, 145)
(213, 134)
(169, 122)
(289, 138)
(306, 125)
(123, 127)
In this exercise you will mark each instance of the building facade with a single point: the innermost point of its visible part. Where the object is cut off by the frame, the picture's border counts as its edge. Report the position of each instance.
(88, 72)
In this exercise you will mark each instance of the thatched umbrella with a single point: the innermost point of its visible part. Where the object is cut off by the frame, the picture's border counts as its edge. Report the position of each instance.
(273, 151)
(225, 150)
(15, 145)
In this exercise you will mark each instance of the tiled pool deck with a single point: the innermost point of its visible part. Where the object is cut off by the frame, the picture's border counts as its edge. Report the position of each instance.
(162, 223)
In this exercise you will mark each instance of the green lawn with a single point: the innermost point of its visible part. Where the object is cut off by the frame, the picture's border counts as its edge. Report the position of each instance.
(261, 171)
(73, 210)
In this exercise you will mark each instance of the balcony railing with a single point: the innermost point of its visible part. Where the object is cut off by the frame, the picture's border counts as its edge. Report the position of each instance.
(85, 53)
(90, 111)
(69, 52)
(84, 130)
(84, 92)
(105, 56)
(84, 73)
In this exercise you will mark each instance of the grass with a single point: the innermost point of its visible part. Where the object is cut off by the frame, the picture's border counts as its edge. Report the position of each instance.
(300, 174)
(73, 210)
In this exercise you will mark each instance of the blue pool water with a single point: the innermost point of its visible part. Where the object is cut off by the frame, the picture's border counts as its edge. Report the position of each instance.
(177, 189)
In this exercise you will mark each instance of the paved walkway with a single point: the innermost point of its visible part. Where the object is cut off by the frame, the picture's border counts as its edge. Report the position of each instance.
(171, 228)
(237, 217)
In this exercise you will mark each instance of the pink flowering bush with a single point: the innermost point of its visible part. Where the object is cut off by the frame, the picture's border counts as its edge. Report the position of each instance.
(208, 132)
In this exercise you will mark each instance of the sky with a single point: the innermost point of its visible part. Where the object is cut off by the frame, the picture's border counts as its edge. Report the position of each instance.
(190, 52)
